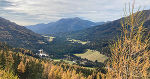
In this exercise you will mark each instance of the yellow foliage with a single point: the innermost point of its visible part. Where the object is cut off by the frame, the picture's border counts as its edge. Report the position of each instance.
(21, 67)
(90, 77)
(7, 75)
(130, 54)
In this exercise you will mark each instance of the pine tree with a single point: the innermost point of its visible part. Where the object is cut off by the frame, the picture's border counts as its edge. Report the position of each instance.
(17, 61)
(2, 60)
(9, 61)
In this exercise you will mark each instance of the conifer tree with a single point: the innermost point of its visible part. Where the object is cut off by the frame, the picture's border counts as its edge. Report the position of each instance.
(2, 60)
(7, 75)
(130, 54)
(98, 76)
(21, 67)
(9, 61)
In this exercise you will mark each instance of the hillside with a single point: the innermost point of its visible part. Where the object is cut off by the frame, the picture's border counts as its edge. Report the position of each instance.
(63, 25)
(106, 31)
(18, 36)
(101, 36)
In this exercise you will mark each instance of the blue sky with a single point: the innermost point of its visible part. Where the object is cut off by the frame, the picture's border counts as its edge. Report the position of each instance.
(28, 12)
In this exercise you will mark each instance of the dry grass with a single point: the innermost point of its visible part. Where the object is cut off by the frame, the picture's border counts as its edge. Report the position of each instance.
(51, 38)
(77, 41)
(92, 55)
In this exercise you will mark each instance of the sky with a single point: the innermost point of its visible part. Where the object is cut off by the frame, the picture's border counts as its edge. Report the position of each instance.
(30, 12)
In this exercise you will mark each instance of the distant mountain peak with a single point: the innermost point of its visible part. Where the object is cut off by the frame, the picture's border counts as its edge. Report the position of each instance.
(77, 18)
(63, 25)
(72, 18)
(69, 19)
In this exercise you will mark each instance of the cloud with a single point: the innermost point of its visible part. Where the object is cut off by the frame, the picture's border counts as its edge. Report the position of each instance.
(26, 12)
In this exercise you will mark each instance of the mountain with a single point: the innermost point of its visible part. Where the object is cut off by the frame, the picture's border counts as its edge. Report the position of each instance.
(100, 23)
(101, 36)
(106, 31)
(63, 25)
(19, 36)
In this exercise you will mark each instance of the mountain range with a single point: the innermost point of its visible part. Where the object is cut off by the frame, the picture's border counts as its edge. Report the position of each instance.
(105, 31)
(63, 25)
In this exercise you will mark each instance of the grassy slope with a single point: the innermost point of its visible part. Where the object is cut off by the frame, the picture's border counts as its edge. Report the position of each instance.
(77, 41)
(50, 38)
(92, 55)
(66, 61)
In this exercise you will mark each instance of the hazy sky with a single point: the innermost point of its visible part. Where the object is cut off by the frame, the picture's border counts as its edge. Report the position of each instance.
(28, 12)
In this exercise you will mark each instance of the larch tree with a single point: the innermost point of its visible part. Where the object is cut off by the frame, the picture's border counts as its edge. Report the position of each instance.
(21, 67)
(130, 54)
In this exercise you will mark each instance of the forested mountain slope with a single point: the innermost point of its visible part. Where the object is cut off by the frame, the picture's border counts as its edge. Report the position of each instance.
(18, 36)
(105, 31)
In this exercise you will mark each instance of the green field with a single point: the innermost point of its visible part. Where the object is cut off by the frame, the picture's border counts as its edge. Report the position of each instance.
(77, 41)
(66, 61)
(92, 55)
(50, 38)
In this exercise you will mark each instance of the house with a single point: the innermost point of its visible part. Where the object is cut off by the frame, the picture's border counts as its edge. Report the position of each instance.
(42, 53)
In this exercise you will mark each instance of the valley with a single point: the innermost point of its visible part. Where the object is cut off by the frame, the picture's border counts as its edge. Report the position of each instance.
(51, 44)
(80, 44)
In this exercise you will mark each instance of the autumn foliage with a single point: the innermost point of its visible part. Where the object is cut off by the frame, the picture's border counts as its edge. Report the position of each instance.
(17, 65)
(130, 54)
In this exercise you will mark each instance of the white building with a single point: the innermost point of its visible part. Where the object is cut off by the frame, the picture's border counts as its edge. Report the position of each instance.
(41, 53)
